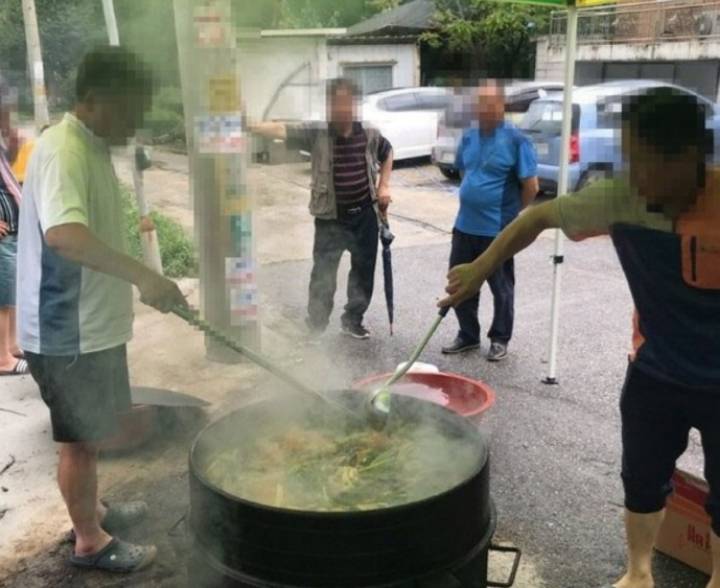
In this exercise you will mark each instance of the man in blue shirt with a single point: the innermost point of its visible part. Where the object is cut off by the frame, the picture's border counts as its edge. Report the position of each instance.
(498, 167)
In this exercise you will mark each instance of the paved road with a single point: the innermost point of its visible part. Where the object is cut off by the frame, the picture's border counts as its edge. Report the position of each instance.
(555, 450)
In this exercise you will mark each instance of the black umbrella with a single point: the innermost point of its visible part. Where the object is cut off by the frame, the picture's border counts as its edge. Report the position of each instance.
(386, 238)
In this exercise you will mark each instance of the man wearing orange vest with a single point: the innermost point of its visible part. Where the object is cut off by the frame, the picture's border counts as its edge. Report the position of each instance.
(663, 216)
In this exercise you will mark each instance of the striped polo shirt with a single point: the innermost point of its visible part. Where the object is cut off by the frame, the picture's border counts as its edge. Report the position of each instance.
(350, 170)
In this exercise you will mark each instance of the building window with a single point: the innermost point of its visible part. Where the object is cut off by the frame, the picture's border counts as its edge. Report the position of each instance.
(370, 78)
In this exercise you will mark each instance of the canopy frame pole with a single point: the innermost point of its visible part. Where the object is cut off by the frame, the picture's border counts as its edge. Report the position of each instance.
(563, 180)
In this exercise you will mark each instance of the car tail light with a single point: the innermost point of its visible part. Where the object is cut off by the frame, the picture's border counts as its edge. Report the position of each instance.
(574, 148)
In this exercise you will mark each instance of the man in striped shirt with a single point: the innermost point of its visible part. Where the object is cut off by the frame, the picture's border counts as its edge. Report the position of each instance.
(348, 192)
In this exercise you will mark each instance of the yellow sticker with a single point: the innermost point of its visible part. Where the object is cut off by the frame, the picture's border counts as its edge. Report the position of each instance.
(223, 94)
(235, 206)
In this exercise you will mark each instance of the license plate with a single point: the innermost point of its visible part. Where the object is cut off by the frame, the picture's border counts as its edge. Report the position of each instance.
(447, 158)
(543, 149)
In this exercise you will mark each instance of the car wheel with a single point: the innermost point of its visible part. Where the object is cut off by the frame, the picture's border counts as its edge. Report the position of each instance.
(450, 173)
(593, 175)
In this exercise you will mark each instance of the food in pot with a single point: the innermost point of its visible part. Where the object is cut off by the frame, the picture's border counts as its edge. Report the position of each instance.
(326, 468)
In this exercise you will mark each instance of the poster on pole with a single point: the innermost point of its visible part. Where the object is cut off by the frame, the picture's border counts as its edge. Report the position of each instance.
(212, 25)
(219, 133)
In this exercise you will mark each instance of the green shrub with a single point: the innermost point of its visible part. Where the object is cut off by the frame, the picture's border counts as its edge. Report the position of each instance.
(165, 121)
(176, 249)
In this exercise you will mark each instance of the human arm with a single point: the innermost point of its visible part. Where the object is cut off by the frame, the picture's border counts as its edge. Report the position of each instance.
(296, 136)
(270, 130)
(4, 229)
(466, 279)
(62, 201)
(590, 212)
(75, 242)
(526, 170)
(530, 189)
(385, 156)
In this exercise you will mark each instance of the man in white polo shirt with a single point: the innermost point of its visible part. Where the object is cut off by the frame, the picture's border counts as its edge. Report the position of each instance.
(75, 296)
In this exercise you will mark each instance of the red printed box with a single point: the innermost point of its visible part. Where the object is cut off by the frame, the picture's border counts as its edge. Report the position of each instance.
(685, 533)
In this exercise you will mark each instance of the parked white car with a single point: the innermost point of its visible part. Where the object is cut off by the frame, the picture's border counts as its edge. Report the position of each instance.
(407, 117)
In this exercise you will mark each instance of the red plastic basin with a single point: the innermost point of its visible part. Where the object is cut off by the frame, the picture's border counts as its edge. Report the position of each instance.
(460, 394)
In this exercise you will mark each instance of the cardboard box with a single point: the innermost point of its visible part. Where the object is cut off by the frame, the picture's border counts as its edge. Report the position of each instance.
(685, 534)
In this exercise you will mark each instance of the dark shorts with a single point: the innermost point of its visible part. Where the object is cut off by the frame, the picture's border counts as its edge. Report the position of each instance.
(84, 392)
(656, 420)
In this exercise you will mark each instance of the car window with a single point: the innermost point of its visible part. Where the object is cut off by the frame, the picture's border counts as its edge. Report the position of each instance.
(609, 113)
(432, 101)
(399, 102)
(520, 103)
(545, 117)
(460, 110)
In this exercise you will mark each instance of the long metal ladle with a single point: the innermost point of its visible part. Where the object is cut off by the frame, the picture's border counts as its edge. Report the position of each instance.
(380, 400)
(192, 317)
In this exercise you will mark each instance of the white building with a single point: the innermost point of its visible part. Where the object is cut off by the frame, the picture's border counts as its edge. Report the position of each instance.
(677, 41)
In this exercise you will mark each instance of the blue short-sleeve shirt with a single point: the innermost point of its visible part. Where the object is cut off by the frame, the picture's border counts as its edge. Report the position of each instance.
(493, 167)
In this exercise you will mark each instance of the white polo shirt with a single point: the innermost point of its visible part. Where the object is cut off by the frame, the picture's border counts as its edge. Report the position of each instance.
(63, 307)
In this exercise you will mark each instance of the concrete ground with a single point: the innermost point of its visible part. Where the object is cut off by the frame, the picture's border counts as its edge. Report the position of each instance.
(555, 449)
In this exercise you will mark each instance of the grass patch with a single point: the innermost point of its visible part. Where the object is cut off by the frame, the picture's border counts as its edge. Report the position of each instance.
(177, 251)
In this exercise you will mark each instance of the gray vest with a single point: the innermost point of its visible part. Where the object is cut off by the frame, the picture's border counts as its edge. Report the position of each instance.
(323, 203)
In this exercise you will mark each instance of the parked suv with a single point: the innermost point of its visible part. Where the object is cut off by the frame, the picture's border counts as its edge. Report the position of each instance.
(460, 115)
(595, 150)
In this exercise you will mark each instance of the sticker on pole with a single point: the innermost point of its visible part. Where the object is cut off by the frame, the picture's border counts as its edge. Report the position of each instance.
(221, 133)
(223, 94)
(212, 25)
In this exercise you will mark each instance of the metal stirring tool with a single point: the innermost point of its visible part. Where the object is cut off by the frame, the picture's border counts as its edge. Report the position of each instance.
(380, 400)
(192, 317)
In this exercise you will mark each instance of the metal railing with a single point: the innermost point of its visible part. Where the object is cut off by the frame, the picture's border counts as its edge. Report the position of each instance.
(642, 22)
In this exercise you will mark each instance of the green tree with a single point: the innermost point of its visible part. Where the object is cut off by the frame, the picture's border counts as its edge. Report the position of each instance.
(497, 36)
(67, 31)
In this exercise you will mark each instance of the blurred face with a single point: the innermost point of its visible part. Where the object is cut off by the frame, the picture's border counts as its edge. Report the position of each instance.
(662, 179)
(342, 107)
(116, 117)
(490, 105)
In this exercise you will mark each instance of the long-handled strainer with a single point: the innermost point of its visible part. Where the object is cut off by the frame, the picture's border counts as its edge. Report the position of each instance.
(191, 317)
(380, 399)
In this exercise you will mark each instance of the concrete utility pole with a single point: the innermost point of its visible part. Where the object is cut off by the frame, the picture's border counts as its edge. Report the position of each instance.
(216, 143)
(35, 64)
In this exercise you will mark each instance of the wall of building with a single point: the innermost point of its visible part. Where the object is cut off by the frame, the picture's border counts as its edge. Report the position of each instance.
(404, 58)
(286, 74)
(695, 64)
(266, 67)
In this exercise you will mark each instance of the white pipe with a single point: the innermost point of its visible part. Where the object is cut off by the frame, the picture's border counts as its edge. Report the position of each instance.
(111, 22)
(148, 235)
(563, 181)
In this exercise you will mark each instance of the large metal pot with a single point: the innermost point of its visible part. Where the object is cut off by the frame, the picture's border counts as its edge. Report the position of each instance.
(244, 544)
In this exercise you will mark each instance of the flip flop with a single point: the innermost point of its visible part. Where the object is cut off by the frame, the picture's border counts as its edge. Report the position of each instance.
(117, 556)
(21, 368)
(119, 516)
